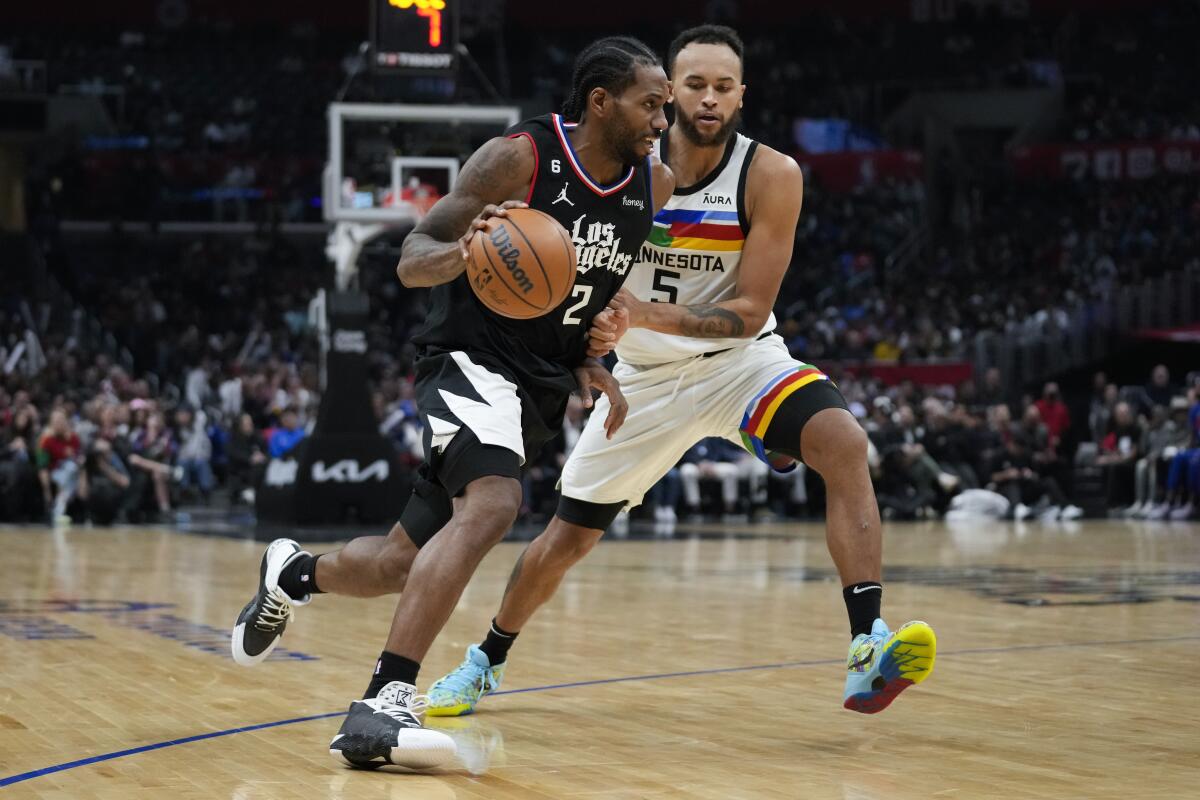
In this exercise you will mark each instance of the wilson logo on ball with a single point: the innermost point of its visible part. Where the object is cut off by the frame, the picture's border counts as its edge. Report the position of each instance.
(510, 255)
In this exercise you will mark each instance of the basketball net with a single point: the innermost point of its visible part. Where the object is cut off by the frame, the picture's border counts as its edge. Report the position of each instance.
(347, 239)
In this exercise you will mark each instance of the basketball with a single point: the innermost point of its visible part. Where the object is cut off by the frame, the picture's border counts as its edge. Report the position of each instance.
(523, 265)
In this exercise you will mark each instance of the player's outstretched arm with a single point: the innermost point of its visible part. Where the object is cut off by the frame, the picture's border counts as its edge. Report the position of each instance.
(774, 192)
(495, 178)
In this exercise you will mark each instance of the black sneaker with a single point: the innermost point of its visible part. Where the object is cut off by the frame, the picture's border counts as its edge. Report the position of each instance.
(263, 620)
(387, 730)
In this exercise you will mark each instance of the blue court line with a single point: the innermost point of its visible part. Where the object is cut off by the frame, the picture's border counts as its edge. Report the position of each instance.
(83, 762)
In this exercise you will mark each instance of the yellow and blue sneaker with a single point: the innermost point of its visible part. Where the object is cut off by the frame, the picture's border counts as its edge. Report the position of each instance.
(458, 692)
(883, 664)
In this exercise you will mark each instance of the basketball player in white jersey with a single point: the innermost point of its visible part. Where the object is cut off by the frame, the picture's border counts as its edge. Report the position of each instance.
(699, 358)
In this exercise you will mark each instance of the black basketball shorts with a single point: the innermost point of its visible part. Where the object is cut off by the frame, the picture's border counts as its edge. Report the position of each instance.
(475, 425)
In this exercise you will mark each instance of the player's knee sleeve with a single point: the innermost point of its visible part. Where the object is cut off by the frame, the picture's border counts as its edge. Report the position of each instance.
(794, 413)
(586, 514)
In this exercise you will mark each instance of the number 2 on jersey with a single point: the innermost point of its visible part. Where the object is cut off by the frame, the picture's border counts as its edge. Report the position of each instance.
(584, 292)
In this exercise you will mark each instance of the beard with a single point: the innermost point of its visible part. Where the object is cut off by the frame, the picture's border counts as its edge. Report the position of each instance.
(624, 140)
(715, 139)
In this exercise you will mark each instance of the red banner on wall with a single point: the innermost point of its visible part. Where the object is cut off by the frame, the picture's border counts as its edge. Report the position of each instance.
(1113, 161)
(1188, 334)
(846, 171)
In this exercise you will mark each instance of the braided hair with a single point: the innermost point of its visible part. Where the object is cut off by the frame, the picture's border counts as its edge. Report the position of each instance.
(608, 63)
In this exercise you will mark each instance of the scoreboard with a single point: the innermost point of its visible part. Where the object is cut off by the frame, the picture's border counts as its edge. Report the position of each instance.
(414, 37)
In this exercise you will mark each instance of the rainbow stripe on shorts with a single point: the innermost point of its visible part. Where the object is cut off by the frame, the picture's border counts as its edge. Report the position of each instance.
(761, 410)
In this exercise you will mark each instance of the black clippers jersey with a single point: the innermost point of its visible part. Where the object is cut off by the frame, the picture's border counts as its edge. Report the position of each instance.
(608, 225)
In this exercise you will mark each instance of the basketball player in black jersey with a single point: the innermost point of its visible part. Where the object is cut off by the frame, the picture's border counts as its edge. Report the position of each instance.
(491, 390)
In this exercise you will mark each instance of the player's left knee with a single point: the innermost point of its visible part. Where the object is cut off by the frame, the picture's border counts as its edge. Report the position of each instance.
(833, 443)
(570, 543)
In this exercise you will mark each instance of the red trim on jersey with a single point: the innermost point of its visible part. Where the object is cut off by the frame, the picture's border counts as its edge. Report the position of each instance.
(603, 191)
(533, 181)
(707, 230)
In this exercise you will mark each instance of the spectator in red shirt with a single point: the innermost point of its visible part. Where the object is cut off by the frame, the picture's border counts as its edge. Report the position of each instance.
(1055, 415)
(58, 457)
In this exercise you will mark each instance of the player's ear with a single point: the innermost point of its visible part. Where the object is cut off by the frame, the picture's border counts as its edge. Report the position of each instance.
(741, 95)
(599, 100)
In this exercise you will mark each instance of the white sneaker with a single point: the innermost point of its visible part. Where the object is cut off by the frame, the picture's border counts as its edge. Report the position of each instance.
(1132, 511)
(1160, 511)
(1022, 512)
(1071, 512)
(1183, 512)
(262, 622)
(386, 729)
(1050, 514)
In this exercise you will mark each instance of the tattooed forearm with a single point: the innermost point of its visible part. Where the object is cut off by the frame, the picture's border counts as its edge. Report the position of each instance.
(711, 322)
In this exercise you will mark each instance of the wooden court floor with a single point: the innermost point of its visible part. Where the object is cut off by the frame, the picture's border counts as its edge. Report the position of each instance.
(708, 665)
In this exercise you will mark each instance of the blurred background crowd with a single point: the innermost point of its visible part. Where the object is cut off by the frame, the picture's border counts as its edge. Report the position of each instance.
(1002, 306)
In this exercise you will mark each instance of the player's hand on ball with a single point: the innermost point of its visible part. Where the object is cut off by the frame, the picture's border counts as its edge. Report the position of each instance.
(607, 329)
(591, 374)
(480, 222)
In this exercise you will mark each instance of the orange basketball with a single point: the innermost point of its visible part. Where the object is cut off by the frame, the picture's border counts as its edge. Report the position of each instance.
(523, 265)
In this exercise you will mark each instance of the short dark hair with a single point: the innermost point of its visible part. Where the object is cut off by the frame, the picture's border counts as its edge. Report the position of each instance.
(705, 34)
(608, 63)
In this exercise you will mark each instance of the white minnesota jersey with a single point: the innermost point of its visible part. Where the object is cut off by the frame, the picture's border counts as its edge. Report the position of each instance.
(692, 256)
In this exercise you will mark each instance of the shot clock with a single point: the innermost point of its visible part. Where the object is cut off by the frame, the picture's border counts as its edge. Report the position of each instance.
(414, 37)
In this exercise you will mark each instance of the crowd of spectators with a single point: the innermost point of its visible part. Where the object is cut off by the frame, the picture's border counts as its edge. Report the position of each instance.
(222, 369)
(218, 121)
(81, 438)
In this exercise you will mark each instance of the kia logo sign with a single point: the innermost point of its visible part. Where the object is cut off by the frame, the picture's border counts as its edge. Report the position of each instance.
(348, 471)
(281, 473)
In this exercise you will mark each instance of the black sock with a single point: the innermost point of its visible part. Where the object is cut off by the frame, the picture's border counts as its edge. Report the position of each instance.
(299, 576)
(862, 604)
(496, 645)
(391, 667)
